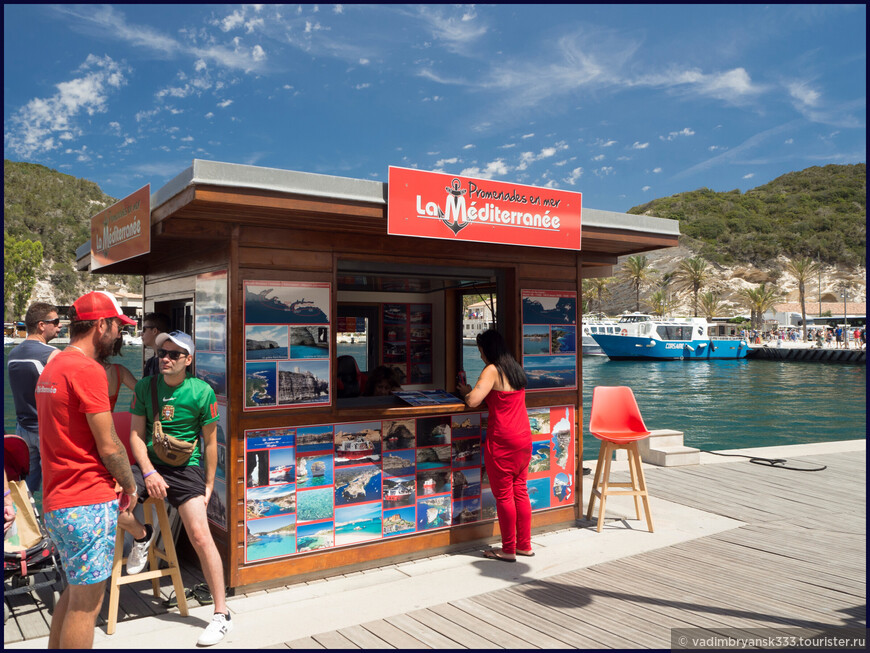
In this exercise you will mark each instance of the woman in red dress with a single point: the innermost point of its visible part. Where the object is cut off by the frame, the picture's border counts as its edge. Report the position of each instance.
(508, 447)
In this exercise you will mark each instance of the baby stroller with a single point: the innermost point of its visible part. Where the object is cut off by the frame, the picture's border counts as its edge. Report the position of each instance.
(30, 552)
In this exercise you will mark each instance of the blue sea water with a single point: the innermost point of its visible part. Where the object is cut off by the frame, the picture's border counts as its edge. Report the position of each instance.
(730, 404)
(271, 546)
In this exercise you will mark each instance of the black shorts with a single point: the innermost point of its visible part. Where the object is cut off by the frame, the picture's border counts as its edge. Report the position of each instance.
(184, 483)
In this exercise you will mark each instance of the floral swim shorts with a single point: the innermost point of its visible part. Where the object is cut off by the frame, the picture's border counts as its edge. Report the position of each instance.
(85, 538)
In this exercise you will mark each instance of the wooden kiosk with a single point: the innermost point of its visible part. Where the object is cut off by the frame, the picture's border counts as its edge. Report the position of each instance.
(277, 274)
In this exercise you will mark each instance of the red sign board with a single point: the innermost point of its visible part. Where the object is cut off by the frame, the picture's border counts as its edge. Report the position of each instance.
(123, 230)
(437, 205)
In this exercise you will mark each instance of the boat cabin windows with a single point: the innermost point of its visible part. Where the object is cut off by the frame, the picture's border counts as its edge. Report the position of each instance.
(673, 332)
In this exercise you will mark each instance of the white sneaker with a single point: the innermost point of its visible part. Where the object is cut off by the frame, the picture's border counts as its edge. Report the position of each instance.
(138, 557)
(220, 625)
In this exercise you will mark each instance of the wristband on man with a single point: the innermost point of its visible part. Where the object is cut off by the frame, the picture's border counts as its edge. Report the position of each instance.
(153, 471)
(7, 493)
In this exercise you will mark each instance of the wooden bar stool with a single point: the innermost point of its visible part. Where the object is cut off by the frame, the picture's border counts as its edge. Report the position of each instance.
(154, 573)
(615, 419)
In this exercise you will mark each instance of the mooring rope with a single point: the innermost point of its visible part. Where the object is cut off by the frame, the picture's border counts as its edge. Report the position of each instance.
(779, 463)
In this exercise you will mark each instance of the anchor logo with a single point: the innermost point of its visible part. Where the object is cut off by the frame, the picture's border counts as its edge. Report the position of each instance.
(456, 196)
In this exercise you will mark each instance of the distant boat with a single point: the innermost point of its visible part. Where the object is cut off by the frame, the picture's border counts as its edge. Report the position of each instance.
(357, 447)
(595, 326)
(131, 340)
(397, 493)
(643, 337)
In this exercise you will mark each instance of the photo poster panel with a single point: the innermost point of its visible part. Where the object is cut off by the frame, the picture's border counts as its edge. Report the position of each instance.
(309, 488)
(550, 339)
(287, 345)
(407, 341)
(210, 340)
(217, 505)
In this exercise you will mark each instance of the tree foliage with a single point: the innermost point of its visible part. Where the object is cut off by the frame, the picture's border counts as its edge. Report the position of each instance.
(818, 212)
(21, 261)
(54, 209)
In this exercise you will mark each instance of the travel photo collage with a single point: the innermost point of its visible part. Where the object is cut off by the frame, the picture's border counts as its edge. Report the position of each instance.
(287, 344)
(311, 488)
(210, 340)
(550, 339)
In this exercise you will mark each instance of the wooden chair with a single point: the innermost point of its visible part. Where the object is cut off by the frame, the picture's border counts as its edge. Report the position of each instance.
(153, 573)
(616, 420)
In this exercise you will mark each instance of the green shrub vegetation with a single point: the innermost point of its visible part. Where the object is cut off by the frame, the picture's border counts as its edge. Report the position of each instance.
(55, 209)
(819, 212)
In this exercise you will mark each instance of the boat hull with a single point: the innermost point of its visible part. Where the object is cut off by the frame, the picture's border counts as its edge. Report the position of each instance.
(618, 347)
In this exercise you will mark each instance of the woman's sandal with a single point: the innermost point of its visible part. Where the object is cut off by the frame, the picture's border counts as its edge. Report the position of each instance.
(496, 554)
(525, 554)
(200, 592)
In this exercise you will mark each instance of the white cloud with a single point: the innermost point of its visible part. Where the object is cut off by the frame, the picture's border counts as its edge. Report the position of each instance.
(209, 115)
(359, 87)
(749, 176)
(639, 146)
(442, 162)
(41, 123)
(225, 104)
(801, 92)
(646, 188)
(789, 141)
(468, 147)
(609, 143)
(363, 61)
(600, 157)
(338, 9)
(492, 169)
(604, 171)
(258, 54)
(686, 131)
(576, 173)
(528, 135)
(656, 171)
(187, 139)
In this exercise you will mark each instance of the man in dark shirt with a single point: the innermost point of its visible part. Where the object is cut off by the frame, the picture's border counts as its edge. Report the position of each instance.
(153, 324)
(26, 362)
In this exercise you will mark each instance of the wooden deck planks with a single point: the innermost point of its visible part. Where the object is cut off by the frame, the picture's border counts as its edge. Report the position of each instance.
(533, 638)
(394, 636)
(421, 632)
(800, 560)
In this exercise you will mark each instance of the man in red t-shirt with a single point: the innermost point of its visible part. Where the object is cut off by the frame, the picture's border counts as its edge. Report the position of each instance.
(82, 458)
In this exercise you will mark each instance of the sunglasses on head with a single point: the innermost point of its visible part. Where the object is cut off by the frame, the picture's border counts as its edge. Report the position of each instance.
(172, 355)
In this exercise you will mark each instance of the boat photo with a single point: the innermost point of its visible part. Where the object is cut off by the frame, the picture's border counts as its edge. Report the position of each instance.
(644, 337)
(355, 448)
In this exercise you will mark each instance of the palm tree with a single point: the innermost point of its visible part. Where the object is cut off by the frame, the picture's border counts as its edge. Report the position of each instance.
(693, 273)
(801, 268)
(710, 305)
(638, 271)
(661, 303)
(598, 288)
(759, 300)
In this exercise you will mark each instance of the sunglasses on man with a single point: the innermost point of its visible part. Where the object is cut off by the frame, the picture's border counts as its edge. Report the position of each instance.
(55, 321)
(172, 355)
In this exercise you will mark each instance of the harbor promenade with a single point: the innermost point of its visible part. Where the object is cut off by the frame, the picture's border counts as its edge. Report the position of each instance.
(736, 546)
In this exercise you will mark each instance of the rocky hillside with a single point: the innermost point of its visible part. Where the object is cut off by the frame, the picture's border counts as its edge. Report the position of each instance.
(749, 237)
(728, 280)
(54, 208)
(819, 212)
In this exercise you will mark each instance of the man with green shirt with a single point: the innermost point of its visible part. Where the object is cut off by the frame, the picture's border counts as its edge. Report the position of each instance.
(186, 406)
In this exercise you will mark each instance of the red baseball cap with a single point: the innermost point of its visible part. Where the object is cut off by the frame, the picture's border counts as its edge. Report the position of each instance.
(99, 304)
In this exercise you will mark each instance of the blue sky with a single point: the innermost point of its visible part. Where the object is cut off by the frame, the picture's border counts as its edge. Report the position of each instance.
(622, 103)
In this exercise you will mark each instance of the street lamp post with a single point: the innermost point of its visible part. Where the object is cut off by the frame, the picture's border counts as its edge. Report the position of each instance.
(844, 291)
